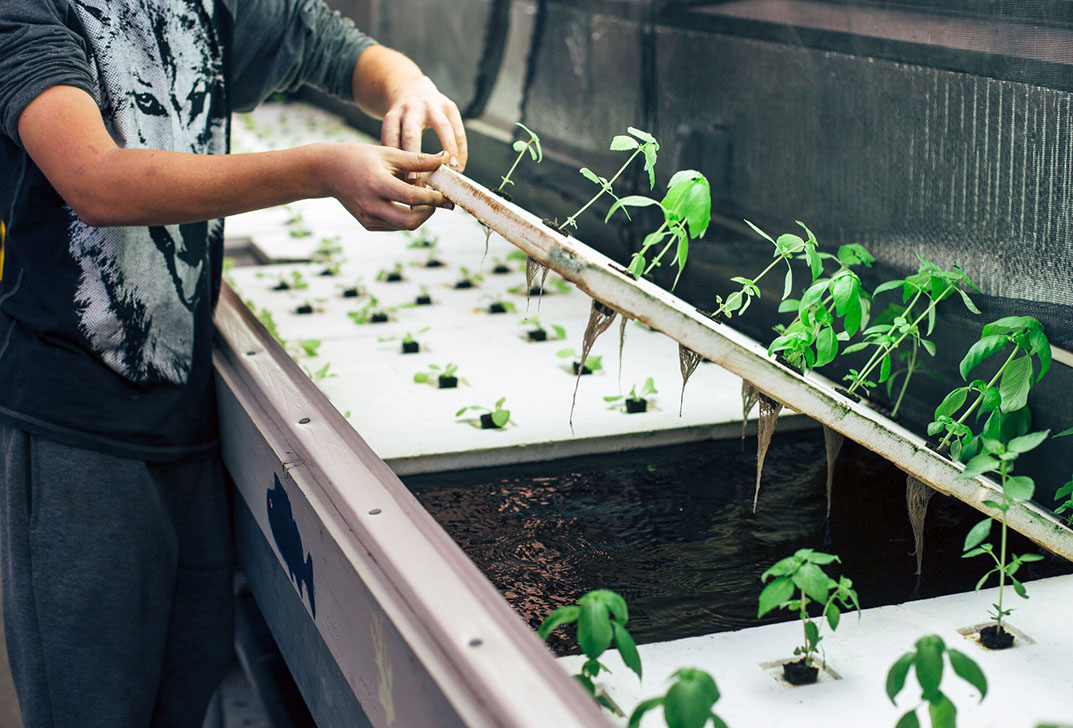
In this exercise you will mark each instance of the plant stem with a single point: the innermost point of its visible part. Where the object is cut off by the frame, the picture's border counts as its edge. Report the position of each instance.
(980, 396)
(511, 170)
(1004, 471)
(782, 256)
(804, 624)
(908, 373)
(877, 357)
(655, 261)
(572, 219)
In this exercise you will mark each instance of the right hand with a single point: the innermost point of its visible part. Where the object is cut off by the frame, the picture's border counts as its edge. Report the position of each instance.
(368, 181)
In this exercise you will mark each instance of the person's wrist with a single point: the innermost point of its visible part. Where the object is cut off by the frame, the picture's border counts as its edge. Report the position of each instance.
(318, 169)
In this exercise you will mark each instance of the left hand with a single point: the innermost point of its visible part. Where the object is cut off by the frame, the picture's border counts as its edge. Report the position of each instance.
(419, 105)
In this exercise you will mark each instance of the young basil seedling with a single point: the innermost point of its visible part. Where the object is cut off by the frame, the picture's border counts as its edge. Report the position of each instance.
(521, 147)
(927, 660)
(492, 418)
(601, 617)
(688, 702)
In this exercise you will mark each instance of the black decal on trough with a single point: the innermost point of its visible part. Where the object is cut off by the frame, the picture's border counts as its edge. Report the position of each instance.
(289, 542)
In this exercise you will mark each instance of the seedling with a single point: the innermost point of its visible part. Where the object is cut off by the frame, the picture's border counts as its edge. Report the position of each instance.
(491, 418)
(688, 702)
(424, 298)
(329, 247)
(539, 333)
(636, 400)
(444, 376)
(469, 279)
(802, 573)
(350, 291)
(930, 284)
(309, 347)
(810, 340)
(331, 268)
(1000, 457)
(521, 147)
(297, 229)
(370, 313)
(591, 364)
(498, 305)
(639, 143)
(265, 317)
(304, 308)
(601, 617)
(321, 374)
(687, 209)
(423, 241)
(1066, 491)
(295, 280)
(410, 344)
(390, 275)
(927, 660)
(500, 267)
(1004, 394)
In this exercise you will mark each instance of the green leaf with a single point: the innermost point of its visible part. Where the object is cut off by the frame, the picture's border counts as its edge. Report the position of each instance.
(981, 350)
(816, 557)
(1019, 487)
(889, 285)
(774, 594)
(688, 702)
(623, 143)
(789, 305)
(689, 197)
(884, 367)
(760, 232)
(642, 135)
(518, 146)
(814, 293)
(929, 664)
(968, 670)
(1028, 442)
(942, 711)
(845, 289)
(501, 417)
(627, 648)
(787, 285)
(977, 534)
(833, 615)
(909, 720)
(562, 615)
(826, 346)
(788, 243)
(1017, 586)
(982, 463)
(633, 201)
(593, 629)
(973, 553)
(643, 707)
(1015, 384)
(650, 163)
(590, 175)
(1041, 348)
(811, 580)
(897, 674)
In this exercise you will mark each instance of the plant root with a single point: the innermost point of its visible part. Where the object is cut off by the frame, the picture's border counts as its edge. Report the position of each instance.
(832, 443)
(487, 237)
(769, 417)
(750, 395)
(917, 495)
(532, 267)
(600, 319)
(688, 360)
(621, 344)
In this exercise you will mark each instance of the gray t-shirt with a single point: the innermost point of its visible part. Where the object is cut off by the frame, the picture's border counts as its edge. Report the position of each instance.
(105, 333)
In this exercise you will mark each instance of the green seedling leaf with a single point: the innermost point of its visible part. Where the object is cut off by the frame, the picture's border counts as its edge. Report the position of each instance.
(642, 135)
(643, 707)
(942, 711)
(593, 629)
(929, 664)
(590, 175)
(562, 615)
(1015, 384)
(977, 534)
(889, 285)
(981, 350)
(908, 720)
(761, 233)
(634, 201)
(623, 143)
(1019, 487)
(627, 648)
(689, 701)
(982, 463)
(501, 417)
(1027, 442)
(689, 197)
(774, 594)
(811, 580)
(897, 674)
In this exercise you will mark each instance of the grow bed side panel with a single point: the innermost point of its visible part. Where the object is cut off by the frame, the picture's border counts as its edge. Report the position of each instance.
(815, 396)
(420, 635)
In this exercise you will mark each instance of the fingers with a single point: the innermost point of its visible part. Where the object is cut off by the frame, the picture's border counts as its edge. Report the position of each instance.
(412, 195)
(458, 129)
(391, 129)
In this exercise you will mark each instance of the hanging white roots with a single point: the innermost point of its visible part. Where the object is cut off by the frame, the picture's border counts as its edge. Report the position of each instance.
(600, 319)
(832, 443)
(750, 395)
(769, 417)
(687, 363)
(917, 495)
(487, 237)
(532, 267)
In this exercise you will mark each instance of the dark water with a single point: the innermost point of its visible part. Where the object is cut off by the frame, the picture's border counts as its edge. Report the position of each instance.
(671, 529)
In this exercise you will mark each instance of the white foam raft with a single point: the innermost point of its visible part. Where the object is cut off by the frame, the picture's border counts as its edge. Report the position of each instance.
(1028, 684)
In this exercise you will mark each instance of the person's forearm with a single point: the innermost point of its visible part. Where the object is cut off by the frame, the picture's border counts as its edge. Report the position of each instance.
(149, 187)
(379, 75)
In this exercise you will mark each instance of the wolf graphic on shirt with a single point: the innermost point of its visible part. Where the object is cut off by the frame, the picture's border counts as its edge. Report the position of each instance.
(159, 72)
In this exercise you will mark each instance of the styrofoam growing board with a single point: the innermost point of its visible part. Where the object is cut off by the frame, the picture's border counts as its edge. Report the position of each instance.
(605, 281)
(1028, 684)
(414, 426)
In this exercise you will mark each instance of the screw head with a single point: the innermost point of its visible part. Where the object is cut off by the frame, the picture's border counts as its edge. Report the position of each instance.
(375, 512)
(476, 642)
(303, 421)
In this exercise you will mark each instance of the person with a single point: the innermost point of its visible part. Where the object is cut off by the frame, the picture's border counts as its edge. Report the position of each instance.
(116, 177)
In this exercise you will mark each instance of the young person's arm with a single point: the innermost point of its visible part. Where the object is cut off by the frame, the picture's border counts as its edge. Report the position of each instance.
(389, 85)
(63, 132)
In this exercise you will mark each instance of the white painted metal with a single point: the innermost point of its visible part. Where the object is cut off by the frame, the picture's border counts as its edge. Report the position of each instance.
(378, 551)
(604, 280)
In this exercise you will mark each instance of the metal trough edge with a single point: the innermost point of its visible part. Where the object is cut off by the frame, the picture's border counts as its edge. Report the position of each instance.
(605, 281)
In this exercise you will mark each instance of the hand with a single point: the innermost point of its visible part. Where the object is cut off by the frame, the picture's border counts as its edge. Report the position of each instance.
(418, 105)
(365, 178)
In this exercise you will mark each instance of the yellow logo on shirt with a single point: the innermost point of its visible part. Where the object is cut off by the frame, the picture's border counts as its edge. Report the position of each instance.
(3, 234)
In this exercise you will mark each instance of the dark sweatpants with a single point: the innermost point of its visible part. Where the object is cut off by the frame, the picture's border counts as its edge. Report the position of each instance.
(116, 585)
